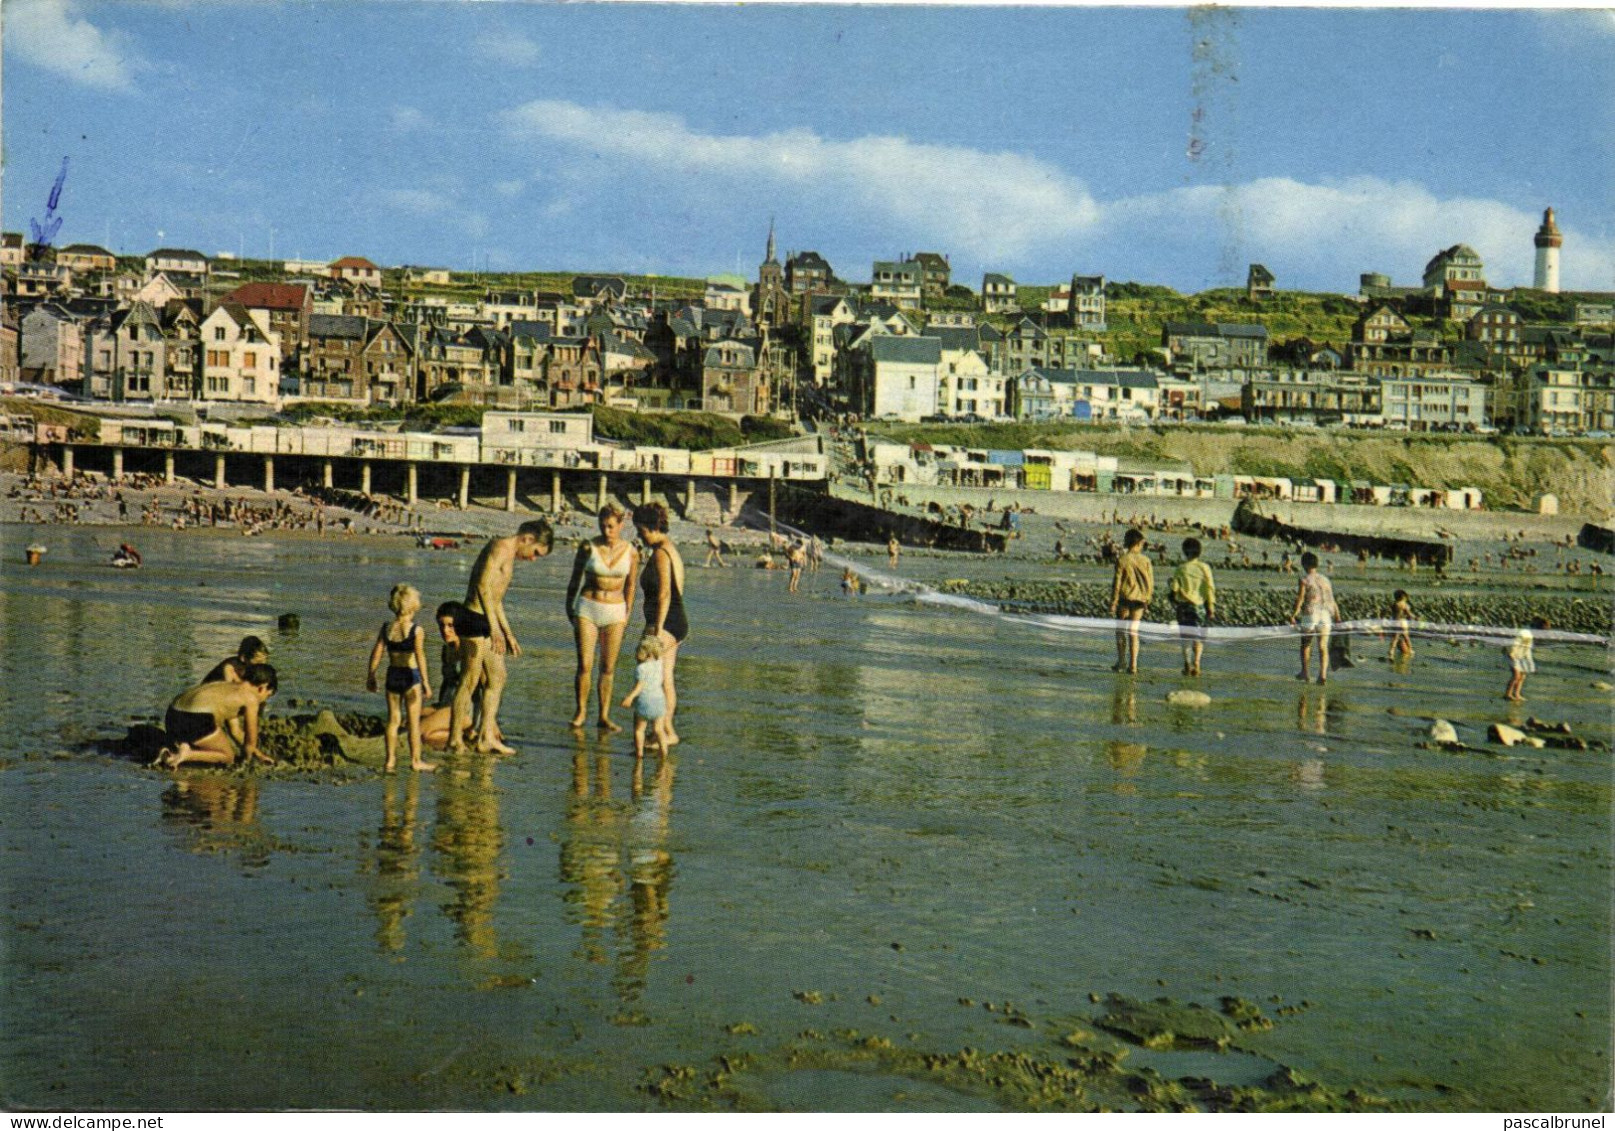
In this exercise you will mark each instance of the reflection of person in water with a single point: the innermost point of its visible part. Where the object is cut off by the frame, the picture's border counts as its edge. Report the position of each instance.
(612, 849)
(396, 862)
(220, 811)
(467, 839)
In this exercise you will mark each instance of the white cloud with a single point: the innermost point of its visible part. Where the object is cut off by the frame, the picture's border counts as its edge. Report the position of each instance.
(407, 119)
(509, 188)
(1356, 224)
(50, 34)
(508, 49)
(1005, 203)
(1004, 209)
(419, 202)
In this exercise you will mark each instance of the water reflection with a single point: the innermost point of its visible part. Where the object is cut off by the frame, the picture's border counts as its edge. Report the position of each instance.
(616, 865)
(396, 861)
(1124, 704)
(467, 840)
(217, 814)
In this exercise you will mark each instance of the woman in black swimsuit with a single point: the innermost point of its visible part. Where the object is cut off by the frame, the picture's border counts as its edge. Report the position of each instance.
(662, 586)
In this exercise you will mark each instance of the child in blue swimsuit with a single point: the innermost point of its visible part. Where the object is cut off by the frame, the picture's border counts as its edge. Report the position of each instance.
(403, 643)
(648, 699)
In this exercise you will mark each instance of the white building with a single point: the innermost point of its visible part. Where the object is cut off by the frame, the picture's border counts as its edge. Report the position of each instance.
(241, 356)
(1419, 403)
(543, 439)
(903, 376)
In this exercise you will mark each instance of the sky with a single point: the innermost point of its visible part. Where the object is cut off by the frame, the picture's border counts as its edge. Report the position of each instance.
(1163, 145)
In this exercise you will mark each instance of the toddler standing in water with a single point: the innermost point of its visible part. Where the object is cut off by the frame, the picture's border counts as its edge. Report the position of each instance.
(403, 643)
(1521, 663)
(647, 698)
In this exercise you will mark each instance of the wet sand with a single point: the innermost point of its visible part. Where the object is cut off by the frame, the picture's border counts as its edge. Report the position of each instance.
(893, 833)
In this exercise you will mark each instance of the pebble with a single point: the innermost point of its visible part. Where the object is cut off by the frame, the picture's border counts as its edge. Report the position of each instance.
(1443, 731)
(1185, 697)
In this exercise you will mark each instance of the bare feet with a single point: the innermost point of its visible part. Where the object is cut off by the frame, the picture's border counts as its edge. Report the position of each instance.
(495, 747)
(423, 767)
(390, 767)
(672, 740)
(607, 725)
(165, 758)
(578, 721)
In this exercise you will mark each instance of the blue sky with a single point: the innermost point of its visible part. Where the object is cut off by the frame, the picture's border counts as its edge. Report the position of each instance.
(1161, 145)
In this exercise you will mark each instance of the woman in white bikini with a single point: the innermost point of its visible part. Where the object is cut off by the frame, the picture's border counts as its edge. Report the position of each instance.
(598, 600)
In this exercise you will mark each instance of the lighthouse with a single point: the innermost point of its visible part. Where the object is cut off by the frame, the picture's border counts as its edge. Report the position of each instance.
(1548, 242)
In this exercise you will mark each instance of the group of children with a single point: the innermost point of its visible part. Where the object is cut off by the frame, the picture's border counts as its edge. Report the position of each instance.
(1194, 595)
(401, 642)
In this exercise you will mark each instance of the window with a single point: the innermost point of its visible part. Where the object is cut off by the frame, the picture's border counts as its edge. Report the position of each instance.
(250, 359)
(249, 385)
(517, 425)
(557, 426)
(218, 333)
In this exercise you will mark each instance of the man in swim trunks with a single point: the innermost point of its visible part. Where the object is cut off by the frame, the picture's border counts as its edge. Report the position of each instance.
(486, 637)
(198, 720)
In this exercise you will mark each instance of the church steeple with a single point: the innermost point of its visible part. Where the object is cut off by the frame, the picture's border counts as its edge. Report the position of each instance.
(770, 257)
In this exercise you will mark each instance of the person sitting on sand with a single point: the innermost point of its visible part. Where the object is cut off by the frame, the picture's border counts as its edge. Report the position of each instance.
(232, 669)
(435, 722)
(1315, 613)
(197, 720)
(402, 642)
(486, 637)
(892, 551)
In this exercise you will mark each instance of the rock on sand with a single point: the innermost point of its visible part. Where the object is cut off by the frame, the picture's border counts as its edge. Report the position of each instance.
(1186, 697)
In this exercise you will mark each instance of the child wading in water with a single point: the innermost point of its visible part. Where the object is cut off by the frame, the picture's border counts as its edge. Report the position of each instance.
(1521, 662)
(1401, 613)
(402, 641)
(647, 698)
(1194, 598)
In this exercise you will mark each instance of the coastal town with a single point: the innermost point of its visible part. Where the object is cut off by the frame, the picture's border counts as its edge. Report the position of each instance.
(966, 559)
(180, 332)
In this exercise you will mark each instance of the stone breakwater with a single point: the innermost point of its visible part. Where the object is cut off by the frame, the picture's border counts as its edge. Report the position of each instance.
(1252, 608)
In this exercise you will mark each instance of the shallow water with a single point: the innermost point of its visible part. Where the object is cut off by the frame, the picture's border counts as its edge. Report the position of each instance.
(883, 818)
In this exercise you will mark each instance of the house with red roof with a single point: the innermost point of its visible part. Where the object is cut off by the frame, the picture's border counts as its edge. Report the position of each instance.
(287, 306)
(356, 269)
